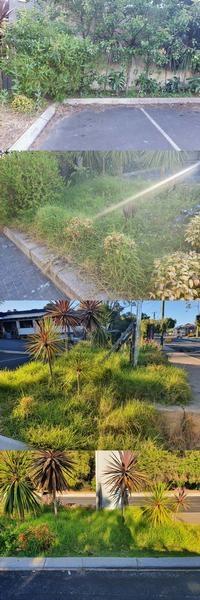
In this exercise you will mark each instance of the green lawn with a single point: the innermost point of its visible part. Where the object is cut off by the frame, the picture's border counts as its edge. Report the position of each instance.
(85, 532)
(116, 406)
(153, 229)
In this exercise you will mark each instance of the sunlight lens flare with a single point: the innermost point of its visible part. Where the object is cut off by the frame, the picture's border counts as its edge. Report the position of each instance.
(153, 188)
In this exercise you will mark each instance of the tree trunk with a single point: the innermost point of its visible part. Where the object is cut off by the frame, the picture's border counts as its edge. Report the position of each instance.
(55, 508)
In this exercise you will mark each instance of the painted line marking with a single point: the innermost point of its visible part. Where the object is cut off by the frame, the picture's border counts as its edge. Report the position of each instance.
(165, 135)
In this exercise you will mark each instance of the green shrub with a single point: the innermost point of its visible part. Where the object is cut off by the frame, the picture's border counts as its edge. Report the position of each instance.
(151, 354)
(28, 180)
(121, 269)
(192, 235)
(23, 104)
(35, 540)
(50, 222)
(44, 60)
(177, 276)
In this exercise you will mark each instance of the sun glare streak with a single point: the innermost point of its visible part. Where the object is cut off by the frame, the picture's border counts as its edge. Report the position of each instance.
(153, 188)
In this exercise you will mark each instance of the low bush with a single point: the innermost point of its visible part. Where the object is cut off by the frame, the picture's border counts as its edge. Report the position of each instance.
(29, 180)
(192, 235)
(177, 276)
(35, 540)
(22, 104)
(45, 60)
(121, 265)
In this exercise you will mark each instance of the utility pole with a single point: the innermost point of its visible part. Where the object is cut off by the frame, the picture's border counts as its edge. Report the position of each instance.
(162, 317)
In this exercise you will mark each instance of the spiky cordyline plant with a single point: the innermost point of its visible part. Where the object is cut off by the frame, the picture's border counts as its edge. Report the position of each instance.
(45, 343)
(50, 471)
(91, 318)
(159, 507)
(4, 10)
(122, 476)
(16, 488)
(180, 501)
(64, 315)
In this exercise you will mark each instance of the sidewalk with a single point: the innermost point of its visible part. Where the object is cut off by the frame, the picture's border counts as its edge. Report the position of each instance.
(191, 365)
(98, 563)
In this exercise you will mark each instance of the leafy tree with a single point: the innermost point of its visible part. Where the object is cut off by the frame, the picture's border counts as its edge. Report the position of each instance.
(50, 471)
(122, 476)
(45, 343)
(16, 488)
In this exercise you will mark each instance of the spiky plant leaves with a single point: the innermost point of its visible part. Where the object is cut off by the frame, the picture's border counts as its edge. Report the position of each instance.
(45, 343)
(16, 487)
(180, 500)
(122, 476)
(159, 508)
(50, 471)
(64, 315)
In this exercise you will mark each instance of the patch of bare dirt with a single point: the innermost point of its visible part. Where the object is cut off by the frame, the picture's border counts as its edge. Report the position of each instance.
(13, 125)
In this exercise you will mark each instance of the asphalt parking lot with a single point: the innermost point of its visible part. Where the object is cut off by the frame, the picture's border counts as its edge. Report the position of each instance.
(66, 585)
(124, 128)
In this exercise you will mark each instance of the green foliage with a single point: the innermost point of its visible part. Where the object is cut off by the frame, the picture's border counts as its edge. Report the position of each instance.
(147, 86)
(169, 467)
(86, 532)
(16, 489)
(192, 235)
(118, 252)
(35, 540)
(28, 180)
(114, 399)
(177, 276)
(22, 104)
(44, 60)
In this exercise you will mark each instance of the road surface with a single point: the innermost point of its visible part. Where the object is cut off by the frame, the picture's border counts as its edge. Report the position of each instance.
(20, 279)
(110, 585)
(124, 128)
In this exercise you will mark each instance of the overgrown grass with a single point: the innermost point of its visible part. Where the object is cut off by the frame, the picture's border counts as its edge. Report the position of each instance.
(85, 532)
(116, 405)
(153, 228)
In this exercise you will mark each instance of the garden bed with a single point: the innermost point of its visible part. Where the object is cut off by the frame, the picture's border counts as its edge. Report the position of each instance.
(115, 406)
(137, 250)
(85, 532)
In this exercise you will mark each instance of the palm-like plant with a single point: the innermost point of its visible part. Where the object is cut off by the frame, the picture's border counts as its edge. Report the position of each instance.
(159, 507)
(180, 501)
(123, 476)
(4, 10)
(63, 314)
(16, 488)
(45, 343)
(50, 471)
(90, 312)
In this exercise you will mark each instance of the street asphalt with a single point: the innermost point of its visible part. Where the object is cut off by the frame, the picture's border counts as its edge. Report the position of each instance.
(124, 128)
(20, 279)
(110, 585)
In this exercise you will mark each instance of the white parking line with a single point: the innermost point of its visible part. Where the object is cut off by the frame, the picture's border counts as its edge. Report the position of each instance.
(165, 135)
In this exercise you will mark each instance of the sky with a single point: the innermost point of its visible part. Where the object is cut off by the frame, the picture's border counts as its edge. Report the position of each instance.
(183, 312)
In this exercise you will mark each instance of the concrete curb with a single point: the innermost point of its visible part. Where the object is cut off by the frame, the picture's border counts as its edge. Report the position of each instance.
(26, 140)
(97, 563)
(131, 101)
(64, 276)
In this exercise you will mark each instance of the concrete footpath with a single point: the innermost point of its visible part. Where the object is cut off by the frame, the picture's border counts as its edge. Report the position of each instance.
(98, 563)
